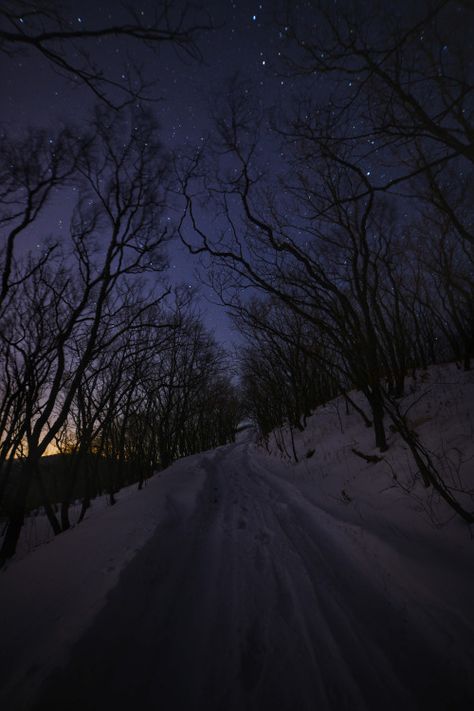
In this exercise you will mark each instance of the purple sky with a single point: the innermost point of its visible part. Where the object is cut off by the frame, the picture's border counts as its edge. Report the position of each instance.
(247, 40)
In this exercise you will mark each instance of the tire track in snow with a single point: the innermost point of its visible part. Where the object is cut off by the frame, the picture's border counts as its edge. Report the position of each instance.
(250, 602)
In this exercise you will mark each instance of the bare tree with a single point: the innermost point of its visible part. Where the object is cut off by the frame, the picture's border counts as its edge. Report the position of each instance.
(191, 392)
(85, 302)
(285, 370)
(30, 169)
(398, 86)
(44, 29)
(321, 239)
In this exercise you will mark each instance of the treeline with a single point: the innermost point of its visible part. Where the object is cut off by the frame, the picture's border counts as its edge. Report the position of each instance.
(137, 409)
(99, 358)
(349, 215)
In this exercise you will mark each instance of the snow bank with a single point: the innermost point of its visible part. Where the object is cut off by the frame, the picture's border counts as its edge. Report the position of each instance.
(440, 406)
(49, 597)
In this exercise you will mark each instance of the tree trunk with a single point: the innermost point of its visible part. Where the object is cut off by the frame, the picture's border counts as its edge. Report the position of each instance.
(375, 399)
(17, 515)
(48, 509)
(69, 491)
(359, 410)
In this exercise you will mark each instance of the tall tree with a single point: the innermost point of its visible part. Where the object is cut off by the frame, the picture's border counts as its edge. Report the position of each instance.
(85, 300)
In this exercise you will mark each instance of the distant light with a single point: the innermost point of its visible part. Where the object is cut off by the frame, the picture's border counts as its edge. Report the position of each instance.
(254, 17)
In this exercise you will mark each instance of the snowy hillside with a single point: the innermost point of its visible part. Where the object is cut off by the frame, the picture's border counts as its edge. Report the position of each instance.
(440, 409)
(240, 581)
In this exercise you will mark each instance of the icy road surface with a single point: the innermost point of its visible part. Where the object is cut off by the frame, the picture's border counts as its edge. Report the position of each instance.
(250, 597)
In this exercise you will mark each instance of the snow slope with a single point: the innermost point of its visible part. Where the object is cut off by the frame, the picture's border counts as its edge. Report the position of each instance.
(49, 597)
(240, 581)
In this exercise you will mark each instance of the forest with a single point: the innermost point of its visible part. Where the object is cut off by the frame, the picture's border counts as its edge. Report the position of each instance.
(341, 245)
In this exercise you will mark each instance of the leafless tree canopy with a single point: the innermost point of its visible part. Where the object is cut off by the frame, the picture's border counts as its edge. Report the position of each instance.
(363, 232)
(42, 28)
(100, 359)
(97, 356)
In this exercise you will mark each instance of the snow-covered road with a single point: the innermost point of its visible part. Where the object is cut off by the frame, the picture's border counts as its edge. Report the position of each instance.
(250, 597)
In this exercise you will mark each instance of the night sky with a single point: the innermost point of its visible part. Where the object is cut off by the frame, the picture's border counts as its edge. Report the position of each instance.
(246, 40)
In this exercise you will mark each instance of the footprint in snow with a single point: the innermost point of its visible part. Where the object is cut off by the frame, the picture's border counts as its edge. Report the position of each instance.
(262, 536)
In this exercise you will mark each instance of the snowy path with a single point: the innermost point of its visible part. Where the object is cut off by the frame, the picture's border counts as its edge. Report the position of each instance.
(255, 599)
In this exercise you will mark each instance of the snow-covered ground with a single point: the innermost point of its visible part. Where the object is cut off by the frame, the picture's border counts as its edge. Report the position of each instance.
(239, 581)
(440, 409)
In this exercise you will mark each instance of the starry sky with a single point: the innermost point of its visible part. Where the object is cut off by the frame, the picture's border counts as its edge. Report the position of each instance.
(246, 40)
